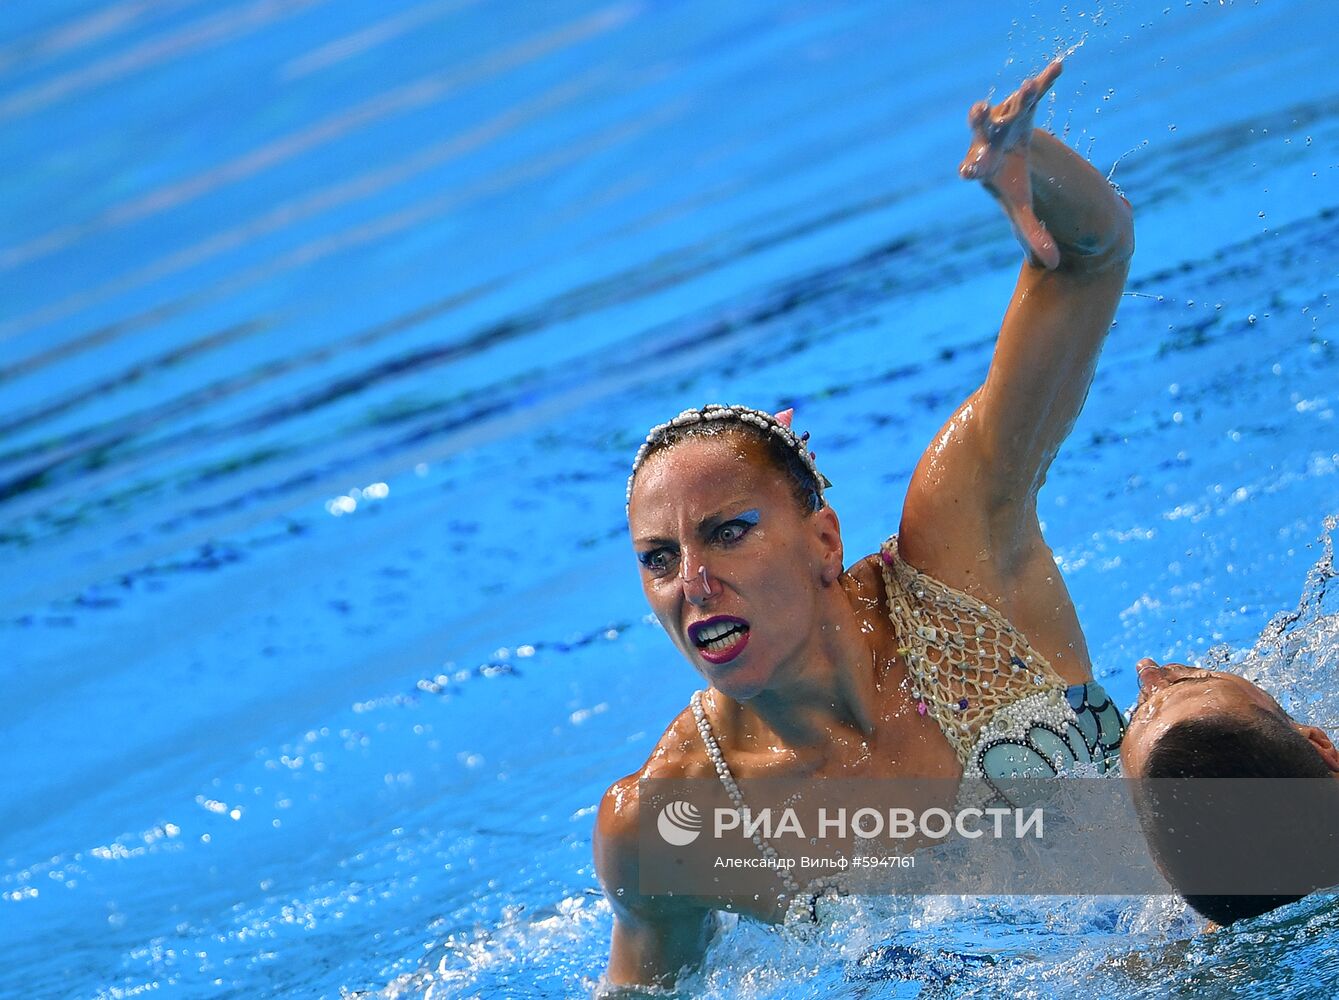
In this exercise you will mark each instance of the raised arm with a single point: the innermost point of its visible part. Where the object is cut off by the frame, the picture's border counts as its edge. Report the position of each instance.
(1078, 236)
(970, 514)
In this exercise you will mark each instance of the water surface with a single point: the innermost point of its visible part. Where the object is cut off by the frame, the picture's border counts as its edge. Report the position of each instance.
(328, 330)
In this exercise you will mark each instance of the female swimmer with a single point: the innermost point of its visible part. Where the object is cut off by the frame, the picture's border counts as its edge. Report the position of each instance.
(954, 651)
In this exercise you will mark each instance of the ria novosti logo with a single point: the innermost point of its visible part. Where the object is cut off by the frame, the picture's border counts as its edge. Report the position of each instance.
(679, 823)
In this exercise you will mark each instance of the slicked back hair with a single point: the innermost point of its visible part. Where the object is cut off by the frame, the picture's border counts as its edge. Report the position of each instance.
(807, 491)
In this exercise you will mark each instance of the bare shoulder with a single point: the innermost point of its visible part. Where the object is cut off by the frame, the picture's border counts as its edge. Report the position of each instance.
(867, 593)
(654, 936)
(678, 754)
(866, 575)
(615, 840)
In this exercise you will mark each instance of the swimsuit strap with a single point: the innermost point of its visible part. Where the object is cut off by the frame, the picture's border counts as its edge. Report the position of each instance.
(965, 660)
(800, 905)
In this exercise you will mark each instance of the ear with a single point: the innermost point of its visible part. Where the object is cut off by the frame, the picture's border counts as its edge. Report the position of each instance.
(828, 531)
(1317, 738)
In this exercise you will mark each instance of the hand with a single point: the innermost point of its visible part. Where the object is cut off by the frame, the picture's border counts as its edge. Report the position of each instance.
(998, 158)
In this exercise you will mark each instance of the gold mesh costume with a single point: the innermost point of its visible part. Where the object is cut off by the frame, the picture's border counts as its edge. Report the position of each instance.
(970, 669)
(999, 703)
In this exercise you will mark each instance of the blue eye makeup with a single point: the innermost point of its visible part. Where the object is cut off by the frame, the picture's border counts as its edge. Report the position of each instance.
(736, 528)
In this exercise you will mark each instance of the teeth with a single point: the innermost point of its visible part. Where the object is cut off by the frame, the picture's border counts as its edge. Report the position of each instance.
(720, 636)
(713, 632)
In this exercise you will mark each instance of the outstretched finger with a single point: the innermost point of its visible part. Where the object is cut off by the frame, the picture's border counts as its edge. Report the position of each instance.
(1048, 76)
(976, 117)
(1015, 104)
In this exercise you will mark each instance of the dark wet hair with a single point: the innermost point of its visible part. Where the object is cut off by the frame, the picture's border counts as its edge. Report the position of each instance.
(784, 450)
(1226, 745)
(1261, 745)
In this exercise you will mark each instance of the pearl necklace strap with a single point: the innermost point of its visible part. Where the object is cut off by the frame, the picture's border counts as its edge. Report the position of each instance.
(797, 901)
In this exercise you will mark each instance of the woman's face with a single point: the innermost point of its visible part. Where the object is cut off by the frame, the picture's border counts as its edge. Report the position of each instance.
(732, 567)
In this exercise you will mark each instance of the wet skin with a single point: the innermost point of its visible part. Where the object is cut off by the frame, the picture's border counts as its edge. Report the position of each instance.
(812, 682)
(804, 672)
(1174, 692)
(720, 539)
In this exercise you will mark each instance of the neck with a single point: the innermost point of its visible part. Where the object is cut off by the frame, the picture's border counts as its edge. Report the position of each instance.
(828, 685)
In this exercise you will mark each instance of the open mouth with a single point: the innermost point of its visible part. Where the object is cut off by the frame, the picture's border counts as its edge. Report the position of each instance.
(719, 639)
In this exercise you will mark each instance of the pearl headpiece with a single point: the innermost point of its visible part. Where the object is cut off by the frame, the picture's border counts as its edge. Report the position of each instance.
(777, 426)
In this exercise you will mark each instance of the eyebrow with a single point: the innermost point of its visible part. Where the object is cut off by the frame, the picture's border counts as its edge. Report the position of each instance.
(1275, 702)
(1191, 679)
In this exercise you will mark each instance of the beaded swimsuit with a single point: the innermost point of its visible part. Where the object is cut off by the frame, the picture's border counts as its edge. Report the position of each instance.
(1000, 703)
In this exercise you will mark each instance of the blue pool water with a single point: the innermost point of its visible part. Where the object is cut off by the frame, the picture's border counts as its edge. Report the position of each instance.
(328, 329)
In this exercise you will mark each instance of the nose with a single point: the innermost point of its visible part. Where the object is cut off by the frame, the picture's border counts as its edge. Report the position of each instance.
(697, 587)
(1153, 675)
(1148, 671)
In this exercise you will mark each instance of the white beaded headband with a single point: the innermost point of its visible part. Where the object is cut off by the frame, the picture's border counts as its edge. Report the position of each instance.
(735, 413)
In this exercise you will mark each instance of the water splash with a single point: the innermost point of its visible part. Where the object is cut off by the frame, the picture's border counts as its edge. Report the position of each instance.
(1296, 657)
